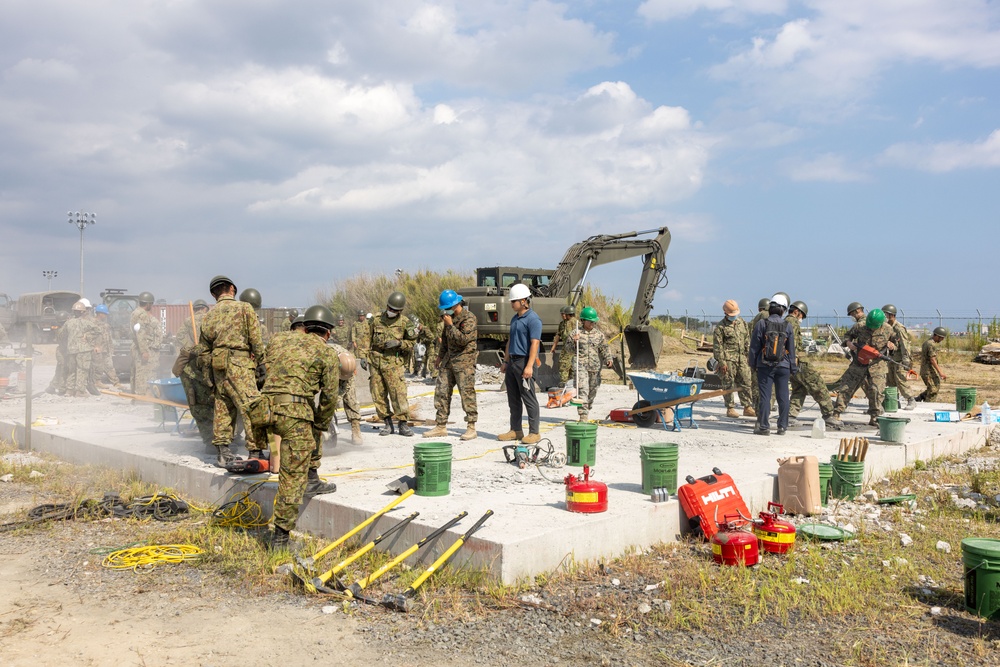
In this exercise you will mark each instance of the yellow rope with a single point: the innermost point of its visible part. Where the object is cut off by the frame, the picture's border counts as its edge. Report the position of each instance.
(148, 557)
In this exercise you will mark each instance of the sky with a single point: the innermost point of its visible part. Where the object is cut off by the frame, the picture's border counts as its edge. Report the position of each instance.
(837, 150)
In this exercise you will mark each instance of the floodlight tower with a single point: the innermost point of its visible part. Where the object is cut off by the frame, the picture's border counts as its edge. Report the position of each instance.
(48, 274)
(81, 220)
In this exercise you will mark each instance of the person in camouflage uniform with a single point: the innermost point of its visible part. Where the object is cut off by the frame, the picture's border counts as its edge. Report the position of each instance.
(146, 338)
(389, 342)
(434, 348)
(103, 361)
(589, 353)
(425, 337)
(456, 364)
(286, 323)
(566, 327)
(358, 332)
(81, 339)
(349, 398)
(300, 367)
(195, 379)
(807, 382)
(930, 371)
(231, 345)
(901, 355)
(871, 377)
(730, 347)
(58, 384)
(253, 297)
(762, 306)
(341, 335)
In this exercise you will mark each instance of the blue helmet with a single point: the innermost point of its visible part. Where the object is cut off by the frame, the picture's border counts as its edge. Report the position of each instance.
(101, 308)
(449, 299)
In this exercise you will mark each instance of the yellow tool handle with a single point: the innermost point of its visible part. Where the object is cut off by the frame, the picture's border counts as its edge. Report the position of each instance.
(438, 563)
(361, 526)
(364, 583)
(325, 577)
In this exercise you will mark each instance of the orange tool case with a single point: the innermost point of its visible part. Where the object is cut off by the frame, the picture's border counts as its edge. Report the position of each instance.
(707, 500)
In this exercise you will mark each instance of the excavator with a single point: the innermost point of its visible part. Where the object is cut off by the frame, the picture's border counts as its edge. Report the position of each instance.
(553, 289)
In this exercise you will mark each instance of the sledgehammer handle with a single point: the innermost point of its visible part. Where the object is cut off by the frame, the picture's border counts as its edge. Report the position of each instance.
(357, 529)
(446, 556)
(362, 584)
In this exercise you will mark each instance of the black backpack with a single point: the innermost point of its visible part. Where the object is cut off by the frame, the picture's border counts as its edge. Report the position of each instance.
(775, 335)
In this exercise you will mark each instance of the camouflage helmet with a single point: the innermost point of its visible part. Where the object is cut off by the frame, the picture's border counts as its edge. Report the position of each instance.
(568, 310)
(146, 297)
(319, 316)
(941, 331)
(396, 301)
(875, 319)
(889, 309)
(251, 296)
(852, 306)
(218, 281)
(801, 307)
(763, 304)
(199, 303)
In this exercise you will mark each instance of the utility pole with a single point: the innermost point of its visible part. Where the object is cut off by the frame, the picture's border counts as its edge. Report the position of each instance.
(81, 220)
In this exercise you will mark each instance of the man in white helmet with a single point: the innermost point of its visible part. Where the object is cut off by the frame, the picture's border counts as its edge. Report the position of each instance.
(519, 365)
(772, 355)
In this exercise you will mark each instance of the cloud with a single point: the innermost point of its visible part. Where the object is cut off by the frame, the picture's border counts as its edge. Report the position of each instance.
(828, 167)
(665, 10)
(946, 156)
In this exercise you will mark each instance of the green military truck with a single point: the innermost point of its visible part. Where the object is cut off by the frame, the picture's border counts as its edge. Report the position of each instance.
(43, 313)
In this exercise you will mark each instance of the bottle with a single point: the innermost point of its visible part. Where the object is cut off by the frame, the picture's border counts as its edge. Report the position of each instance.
(985, 416)
(819, 429)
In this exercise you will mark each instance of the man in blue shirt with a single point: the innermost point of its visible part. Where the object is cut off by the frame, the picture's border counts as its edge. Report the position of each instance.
(772, 355)
(519, 365)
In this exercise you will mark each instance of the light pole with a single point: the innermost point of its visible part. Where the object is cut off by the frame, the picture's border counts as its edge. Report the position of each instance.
(49, 275)
(81, 220)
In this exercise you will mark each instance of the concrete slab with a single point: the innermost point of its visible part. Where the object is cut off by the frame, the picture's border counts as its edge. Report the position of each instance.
(531, 532)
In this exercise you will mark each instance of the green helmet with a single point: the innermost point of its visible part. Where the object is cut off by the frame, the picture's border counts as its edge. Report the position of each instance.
(763, 304)
(941, 331)
(199, 303)
(146, 297)
(396, 301)
(319, 316)
(299, 321)
(875, 319)
(293, 313)
(801, 307)
(854, 305)
(220, 280)
(568, 310)
(889, 309)
(588, 314)
(251, 296)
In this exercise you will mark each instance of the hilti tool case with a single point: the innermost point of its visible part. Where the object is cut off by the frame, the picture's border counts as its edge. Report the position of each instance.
(707, 500)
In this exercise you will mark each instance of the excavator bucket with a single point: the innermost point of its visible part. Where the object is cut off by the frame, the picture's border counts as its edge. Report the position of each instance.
(644, 346)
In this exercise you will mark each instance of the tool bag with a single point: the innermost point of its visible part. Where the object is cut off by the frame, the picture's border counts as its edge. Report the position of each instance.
(707, 500)
(775, 335)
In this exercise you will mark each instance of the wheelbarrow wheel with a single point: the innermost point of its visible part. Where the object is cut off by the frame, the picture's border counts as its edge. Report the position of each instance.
(643, 419)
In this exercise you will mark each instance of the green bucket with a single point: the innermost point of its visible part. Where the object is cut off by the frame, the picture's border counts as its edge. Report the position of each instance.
(847, 478)
(981, 557)
(825, 473)
(891, 429)
(659, 467)
(965, 398)
(890, 403)
(581, 444)
(432, 461)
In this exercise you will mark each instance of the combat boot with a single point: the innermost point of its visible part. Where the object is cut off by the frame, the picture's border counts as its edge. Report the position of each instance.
(510, 435)
(873, 421)
(387, 429)
(909, 404)
(750, 412)
(224, 456)
(834, 422)
(530, 439)
(405, 430)
(278, 539)
(731, 413)
(316, 487)
(356, 433)
(438, 431)
(470, 432)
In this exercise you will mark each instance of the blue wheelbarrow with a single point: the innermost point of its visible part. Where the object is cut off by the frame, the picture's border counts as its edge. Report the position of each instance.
(660, 392)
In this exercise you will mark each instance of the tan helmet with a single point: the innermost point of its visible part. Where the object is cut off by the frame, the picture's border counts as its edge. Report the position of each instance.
(731, 307)
(348, 364)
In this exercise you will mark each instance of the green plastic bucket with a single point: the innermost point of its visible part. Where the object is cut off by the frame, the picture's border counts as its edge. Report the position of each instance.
(981, 557)
(890, 403)
(891, 429)
(847, 478)
(432, 461)
(581, 444)
(659, 467)
(965, 398)
(825, 473)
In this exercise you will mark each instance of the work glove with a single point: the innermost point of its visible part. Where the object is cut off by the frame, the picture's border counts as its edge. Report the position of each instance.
(363, 363)
(261, 375)
(391, 345)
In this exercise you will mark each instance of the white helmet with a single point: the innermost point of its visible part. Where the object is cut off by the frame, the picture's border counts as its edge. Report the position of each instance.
(518, 292)
(82, 304)
(781, 300)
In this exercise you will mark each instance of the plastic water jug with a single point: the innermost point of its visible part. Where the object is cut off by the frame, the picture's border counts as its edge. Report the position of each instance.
(986, 416)
(819, 429)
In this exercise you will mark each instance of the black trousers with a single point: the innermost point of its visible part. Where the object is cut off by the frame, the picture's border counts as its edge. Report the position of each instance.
(776, 376)
(518, 394)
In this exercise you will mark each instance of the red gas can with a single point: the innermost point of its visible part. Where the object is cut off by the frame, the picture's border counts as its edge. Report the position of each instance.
(776, 536)
(585, 495)
(733, 545)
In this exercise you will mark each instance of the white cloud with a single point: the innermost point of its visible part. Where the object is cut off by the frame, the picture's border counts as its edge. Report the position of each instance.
(665, 10)
(829, 167)
(946, 156)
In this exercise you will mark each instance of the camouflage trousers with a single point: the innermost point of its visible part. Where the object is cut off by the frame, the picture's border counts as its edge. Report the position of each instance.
(59, 379)
(565, 367)
(103, 369)
(235, 387)
(870, 378)
(201, 402)
(349, 399)
(301, 450)
(586, 383)
(430, 358)
(896, 377)
(807, 382)
(388, 387)
(463, 377)
(932, 381)
(143, 372)
(737, 376)
(79, 378)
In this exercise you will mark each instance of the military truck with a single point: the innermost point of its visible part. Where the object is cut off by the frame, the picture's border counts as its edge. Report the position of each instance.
(44, 313)
(552, 289)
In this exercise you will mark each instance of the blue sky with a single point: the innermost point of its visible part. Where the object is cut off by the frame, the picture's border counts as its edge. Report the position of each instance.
(834, 149)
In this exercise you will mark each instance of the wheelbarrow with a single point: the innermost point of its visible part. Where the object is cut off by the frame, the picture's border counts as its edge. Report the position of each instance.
(660, 392)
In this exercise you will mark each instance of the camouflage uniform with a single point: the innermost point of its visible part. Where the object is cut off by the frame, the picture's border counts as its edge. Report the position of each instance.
(81, 338)
(896, 376)
(103, 361)
(359, 341)
(341, 335)
(754, 390)
(807, 382)
(231, 345)
(195, 380)
(433, 349)
(927, 371)
(856, 375)
(145, 350)
(386, 366)
(299, 367)
(347, 392)
(457, 364)
(58, 384)
(592, 354)
(284, 325)
(731, 347)
(566, 328)
(425, 337)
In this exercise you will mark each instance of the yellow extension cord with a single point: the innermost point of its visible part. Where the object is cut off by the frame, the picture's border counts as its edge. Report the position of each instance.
(146, 558)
